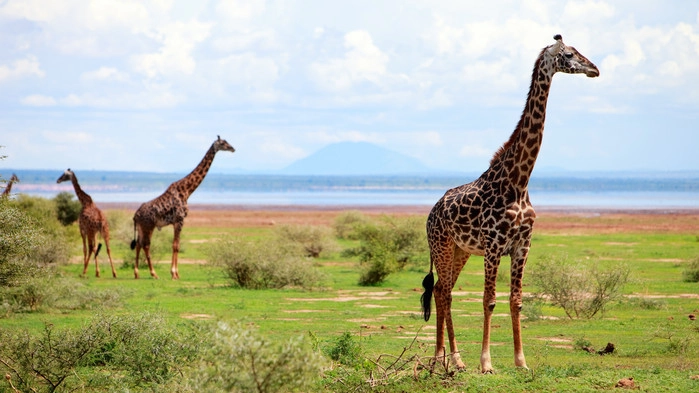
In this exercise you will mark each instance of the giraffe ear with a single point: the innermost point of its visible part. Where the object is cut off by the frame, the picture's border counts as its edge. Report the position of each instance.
(555, 48)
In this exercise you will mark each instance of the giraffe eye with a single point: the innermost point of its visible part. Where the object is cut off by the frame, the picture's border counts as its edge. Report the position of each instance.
(568, 55)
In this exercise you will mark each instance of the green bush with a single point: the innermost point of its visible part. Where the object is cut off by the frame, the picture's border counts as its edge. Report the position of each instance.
(311, 240)
(691, 271)
(387, 246)
(124, 353)
(19, 234)
(261, 265)
(240, 360)
(347, 223)
(67, 209)
(345, 350)
(582, 290)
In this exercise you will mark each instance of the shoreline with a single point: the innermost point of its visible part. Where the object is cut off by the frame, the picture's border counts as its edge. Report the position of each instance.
(409, 209)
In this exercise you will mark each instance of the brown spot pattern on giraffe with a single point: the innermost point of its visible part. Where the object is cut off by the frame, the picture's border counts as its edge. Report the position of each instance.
(492, 216)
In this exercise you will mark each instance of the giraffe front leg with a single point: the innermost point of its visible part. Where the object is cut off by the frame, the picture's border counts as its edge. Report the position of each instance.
(86, 261)
(105, 236)
(135, 266)
(146, 250)
(516, 274)
(491, 272)
(174, 272)
(439, 351)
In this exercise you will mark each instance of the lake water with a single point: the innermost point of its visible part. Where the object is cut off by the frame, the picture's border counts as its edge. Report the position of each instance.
(582, 199)
(639, 191)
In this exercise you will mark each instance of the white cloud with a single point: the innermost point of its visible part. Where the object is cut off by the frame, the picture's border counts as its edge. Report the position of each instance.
(21, 68)
(362, 62)
(239, 10)
(152, 97)
(475, 151)
(325, 137)
(106, 74)
(174, 56)
(68, 137)
(588, 10)
(38, 100)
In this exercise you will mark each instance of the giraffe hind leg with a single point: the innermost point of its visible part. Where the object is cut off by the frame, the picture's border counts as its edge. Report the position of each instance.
(86, 260)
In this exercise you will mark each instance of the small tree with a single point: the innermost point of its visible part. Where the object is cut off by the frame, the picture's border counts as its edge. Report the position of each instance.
(388, 246)
(347, 223)
(312, 240)
(67, 209)
(238, 359)
(262, 265)
(691, 271)
(581, 290)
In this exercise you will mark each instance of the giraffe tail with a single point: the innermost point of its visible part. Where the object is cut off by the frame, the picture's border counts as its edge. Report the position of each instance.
(426, 298)
(99, 247)
(133, 242)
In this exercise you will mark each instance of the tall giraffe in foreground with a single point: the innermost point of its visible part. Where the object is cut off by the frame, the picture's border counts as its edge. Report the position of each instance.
(492, 216)
(170, 208)
(92, 221)
(8, 188)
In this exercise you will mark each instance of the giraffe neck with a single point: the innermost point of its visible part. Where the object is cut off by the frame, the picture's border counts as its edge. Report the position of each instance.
(8, 189)
(516, 158)
(82, 195)
(189, 183)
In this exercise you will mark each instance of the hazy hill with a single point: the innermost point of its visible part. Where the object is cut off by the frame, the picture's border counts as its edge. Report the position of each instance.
(356, 158)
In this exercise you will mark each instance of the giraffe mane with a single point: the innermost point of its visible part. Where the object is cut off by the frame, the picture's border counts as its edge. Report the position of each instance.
(515, 134)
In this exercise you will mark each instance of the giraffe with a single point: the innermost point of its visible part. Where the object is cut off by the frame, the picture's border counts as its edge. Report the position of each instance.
(91, 221)
(492, 216)
(8, 189)
(170, 208)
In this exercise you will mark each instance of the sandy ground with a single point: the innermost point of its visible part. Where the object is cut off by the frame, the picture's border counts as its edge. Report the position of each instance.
(550, 220)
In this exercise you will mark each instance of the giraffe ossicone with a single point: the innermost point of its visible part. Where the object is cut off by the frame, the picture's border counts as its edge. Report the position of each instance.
(492, 216)
(170, 208)
(91, 221)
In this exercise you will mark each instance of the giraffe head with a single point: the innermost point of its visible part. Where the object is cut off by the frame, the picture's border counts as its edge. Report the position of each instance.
(66, 176)
(567, 59)
(14, 178)
(221, 144)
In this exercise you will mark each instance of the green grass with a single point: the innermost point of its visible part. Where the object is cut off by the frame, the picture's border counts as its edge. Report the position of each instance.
(387, 318)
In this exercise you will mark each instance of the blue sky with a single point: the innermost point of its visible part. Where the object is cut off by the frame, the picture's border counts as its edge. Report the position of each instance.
(147, 85)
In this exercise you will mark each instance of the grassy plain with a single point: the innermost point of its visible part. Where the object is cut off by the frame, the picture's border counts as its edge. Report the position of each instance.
(656, 342)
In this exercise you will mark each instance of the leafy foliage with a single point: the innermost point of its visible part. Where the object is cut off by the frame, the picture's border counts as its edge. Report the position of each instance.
(345, 349)
(581, 290)
(260, 265)
(347, 223)
(388, 246)
(241, 360)
(691, 272)
(133, 352)
(67, 209)
(312, 240)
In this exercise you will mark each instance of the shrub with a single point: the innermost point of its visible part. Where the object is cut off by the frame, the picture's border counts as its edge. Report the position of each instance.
(312, 240)
(117, 352)
(347, 223)
(67, 209)
(345, 349)
(240, 360)
(260, 265)
(388, 246)
(581, 290)
(691, 271)
(18, 235)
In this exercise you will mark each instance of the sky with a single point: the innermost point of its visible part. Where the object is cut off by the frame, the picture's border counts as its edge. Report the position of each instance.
(148, 85)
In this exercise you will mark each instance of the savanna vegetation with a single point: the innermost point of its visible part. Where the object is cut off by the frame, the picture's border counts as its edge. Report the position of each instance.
(333, 305)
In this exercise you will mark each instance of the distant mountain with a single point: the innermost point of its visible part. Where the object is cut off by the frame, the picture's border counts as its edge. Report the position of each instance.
(356, 158)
